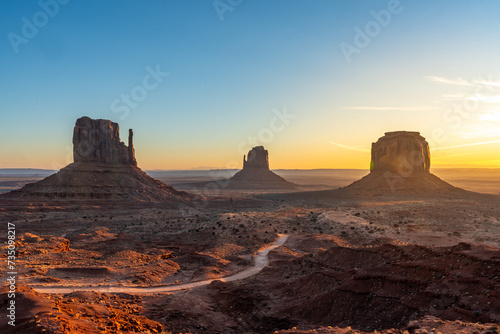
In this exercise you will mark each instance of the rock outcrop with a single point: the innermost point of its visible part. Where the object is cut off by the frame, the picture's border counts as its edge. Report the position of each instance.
(98, 140)
(401, 164)
(104, 168)
(401, 152)
(258, 157)
(256, 173)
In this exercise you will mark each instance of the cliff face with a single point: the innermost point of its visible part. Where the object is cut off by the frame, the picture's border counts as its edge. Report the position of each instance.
(401, 152)
(258, 157)
(256, 173)
(400, 163)
(98, 140)
(104, 172)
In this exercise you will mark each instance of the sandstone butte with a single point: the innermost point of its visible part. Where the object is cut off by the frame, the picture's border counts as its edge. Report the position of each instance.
(104, 168)
(400, 162)
(256, 173)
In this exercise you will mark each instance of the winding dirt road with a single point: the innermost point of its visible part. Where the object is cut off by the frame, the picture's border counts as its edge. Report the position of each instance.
(261, 260)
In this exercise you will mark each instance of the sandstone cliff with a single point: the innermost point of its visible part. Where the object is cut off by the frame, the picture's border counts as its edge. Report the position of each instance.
(401, 152)
(98, 140)
(400, 163)
(256, 173)
(104, 171)
(258, 157)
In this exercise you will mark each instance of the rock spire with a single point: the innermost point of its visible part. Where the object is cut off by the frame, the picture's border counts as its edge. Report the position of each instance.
(98, 140)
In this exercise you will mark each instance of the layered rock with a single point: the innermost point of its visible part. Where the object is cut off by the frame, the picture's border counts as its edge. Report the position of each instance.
(256, 173)
(401, 152)
(104, 168)
(400, 163)
(258, 157)
(98, 140)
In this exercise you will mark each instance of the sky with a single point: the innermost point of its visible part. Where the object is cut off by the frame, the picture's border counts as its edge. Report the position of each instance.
(202, 82)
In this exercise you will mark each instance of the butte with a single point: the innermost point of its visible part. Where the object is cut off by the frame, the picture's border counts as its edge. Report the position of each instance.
(104, 171)
(400, 163)
(256, 174)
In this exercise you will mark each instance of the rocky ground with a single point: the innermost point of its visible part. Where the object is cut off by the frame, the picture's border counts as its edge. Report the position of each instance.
(366, 265)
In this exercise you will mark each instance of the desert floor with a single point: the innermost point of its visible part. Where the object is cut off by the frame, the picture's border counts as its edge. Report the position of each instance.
(393, 264)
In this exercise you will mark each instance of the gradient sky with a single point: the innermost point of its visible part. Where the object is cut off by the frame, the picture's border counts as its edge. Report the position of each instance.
(432, 67)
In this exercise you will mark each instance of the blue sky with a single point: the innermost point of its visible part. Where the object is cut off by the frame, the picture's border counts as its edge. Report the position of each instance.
(226, 79)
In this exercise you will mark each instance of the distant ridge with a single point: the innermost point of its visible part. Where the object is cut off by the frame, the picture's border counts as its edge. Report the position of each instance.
(26, 171)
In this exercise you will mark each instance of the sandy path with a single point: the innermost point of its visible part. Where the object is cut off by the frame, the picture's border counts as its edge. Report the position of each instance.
(261, 260)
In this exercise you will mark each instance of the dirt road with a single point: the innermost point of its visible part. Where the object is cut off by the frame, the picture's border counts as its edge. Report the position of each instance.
(261, 260)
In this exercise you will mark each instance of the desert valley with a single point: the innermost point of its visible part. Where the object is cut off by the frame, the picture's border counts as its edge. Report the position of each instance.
(103, 247)
(250, 167)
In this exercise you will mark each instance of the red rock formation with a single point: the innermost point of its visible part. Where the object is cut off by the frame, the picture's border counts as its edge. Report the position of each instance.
(400, 163)
(98, 140)
(319, 280)
(401, 152)
(258, 157)
(131, 151)
(104, 169)
(256, 173)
